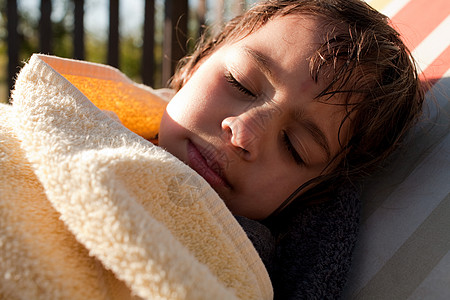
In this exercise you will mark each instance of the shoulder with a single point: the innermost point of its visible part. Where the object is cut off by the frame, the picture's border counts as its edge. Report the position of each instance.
(315, 244)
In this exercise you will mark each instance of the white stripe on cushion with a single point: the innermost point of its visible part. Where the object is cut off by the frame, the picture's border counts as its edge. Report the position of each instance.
(436, 285)
(401, 214)
(434, 44)
(394, 7)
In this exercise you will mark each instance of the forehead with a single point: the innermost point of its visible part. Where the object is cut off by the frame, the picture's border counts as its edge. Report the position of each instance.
(290, 42)
(297, 35)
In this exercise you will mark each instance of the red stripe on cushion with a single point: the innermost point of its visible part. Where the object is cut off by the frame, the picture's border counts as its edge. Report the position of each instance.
(438, 68)
(419, 18)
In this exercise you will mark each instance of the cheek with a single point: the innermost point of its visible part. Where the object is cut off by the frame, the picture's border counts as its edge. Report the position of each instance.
(203, 97)
(179, 106)
(167, 128)
(176, 120)
(197, 107)
(172, 136)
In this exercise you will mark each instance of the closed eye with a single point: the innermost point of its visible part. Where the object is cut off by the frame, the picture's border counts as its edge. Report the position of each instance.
(291, 149)
(237, 85)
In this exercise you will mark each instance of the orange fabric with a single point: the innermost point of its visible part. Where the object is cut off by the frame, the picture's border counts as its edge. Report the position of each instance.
(138, 109)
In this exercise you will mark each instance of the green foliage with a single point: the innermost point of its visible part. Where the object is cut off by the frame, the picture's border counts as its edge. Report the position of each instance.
(130, 57)
(95, 49)
(62, 44)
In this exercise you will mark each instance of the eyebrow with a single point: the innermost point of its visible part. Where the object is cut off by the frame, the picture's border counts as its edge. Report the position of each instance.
(264, 63)
(319, 137)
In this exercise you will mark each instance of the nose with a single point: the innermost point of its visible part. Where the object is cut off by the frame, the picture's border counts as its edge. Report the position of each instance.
(245, 134)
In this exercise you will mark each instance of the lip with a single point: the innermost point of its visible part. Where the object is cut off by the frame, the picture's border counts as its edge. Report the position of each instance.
(206, 166)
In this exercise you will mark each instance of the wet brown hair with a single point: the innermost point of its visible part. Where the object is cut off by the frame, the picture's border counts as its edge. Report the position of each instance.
(371, 68)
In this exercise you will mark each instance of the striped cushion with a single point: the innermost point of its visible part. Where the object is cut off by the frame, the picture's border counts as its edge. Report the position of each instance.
(404, 246)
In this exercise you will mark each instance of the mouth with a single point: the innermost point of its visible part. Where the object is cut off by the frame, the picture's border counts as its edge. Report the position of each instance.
(206, 165)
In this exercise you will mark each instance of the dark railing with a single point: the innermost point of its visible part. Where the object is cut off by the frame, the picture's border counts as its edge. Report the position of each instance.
(13, 40)
(174, 44)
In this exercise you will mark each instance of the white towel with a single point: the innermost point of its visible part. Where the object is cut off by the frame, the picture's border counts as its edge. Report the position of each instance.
(90, 210)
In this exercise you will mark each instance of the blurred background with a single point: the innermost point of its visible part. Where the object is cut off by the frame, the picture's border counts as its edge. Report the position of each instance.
(143, 38)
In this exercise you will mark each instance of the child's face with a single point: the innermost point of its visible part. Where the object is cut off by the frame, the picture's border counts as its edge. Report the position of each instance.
(247, 120)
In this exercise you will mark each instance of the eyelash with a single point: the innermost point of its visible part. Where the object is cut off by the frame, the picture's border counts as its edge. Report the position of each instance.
(288, 144)
(236, 84)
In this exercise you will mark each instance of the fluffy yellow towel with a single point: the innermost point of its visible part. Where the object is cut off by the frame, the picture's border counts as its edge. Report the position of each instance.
(90, 210)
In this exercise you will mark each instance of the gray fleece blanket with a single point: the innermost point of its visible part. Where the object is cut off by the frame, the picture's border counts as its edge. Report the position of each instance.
(307, 249)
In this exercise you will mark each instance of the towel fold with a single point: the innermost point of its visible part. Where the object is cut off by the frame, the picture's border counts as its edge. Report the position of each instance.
(91, 210)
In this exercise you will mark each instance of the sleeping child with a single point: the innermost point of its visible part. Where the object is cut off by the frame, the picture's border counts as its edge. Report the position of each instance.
(290, 103)
(281, 114)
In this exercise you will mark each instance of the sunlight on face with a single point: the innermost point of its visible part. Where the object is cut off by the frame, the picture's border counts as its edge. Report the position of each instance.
(247, 120)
